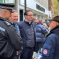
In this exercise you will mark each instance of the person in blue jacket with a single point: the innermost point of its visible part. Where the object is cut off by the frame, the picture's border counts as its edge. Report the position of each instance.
(27, 31)
(40, 34)
(51, 46)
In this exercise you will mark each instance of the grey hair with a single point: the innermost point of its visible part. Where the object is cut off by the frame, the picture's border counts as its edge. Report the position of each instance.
(14, 11)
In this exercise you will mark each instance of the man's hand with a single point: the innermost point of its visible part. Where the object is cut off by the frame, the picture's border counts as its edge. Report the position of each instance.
(17, 52)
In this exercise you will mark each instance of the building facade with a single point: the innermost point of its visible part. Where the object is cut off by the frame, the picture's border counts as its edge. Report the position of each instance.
(50, 8)
(43, 2)
(49, 5)
(39, 8)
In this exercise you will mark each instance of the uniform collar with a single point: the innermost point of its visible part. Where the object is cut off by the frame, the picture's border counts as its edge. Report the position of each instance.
(54, 30)
(57, 27)
(3, 19)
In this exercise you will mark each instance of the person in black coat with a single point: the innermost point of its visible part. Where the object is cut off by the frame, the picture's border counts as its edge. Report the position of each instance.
(14, 19)
(10, 41)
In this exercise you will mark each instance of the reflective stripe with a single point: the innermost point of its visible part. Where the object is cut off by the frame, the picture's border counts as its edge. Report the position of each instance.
(2, 29)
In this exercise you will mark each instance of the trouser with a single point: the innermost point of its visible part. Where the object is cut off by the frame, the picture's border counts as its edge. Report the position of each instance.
(39, 46)
(18, 57)
(13, 57)
(27, 53)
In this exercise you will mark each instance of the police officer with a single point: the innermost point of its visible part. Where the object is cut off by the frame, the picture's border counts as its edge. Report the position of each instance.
(51, 45)
(10, 41)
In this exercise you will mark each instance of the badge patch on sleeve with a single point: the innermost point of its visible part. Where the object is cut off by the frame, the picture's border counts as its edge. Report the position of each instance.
(2, 29)
(45, 51)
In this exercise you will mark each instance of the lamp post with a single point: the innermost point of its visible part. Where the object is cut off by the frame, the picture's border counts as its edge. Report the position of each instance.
(58, 7)
(25, 4)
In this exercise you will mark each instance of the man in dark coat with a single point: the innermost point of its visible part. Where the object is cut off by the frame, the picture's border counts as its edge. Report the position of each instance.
(27, 31)
(51, 45)
(10, 41)
(14, 19)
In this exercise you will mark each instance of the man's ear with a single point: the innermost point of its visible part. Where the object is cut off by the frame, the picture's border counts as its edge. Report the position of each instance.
(57, 23)
(4, 12)
(25, 16)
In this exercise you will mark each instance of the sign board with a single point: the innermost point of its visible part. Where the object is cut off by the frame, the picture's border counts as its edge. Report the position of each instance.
(40, 8)
(1, 1)
(48, 12)
(10, 1)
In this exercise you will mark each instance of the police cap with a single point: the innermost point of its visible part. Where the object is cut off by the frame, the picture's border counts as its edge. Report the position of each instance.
(7, 6)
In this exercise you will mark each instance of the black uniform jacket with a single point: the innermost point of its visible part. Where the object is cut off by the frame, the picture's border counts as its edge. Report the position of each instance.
(10, 41)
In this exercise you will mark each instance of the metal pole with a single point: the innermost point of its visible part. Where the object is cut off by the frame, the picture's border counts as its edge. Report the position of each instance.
(25, 5)
(17, 8)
